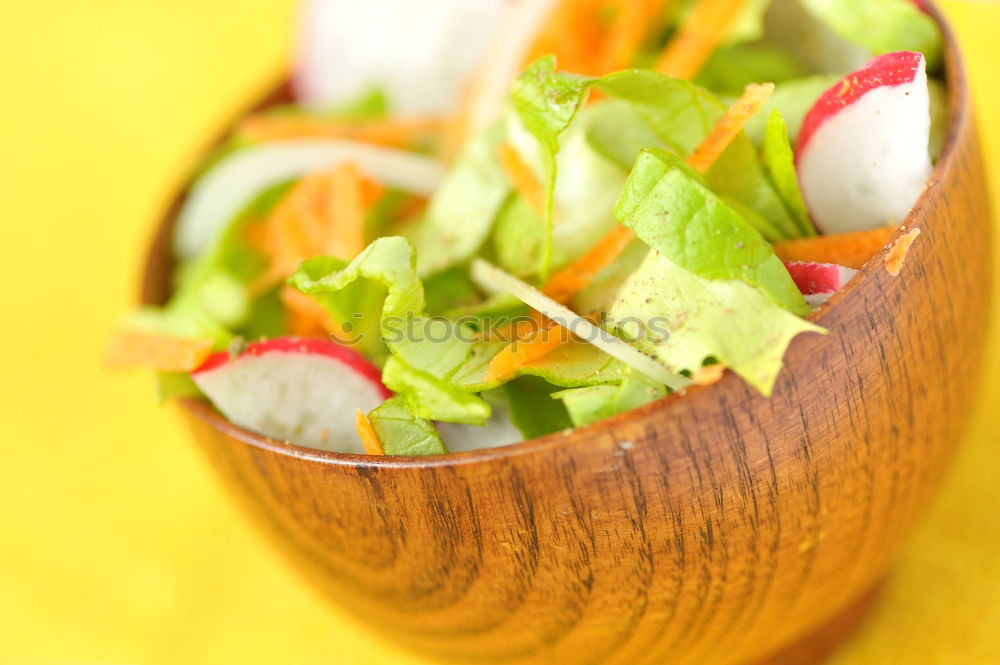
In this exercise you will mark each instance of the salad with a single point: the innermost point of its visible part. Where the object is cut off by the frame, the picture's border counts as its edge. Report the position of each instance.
(486, 221)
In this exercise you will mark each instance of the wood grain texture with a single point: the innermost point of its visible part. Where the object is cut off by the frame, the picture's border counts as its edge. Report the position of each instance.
(715, 528)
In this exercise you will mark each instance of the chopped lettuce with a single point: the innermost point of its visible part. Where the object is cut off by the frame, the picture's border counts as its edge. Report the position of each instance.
(532, 409)
(881, 26)
(668, 208)
(838, 36)
(593, 403)
(462, 211)
(702, 317)
(793, 99)
(520, 239)
(780, 163)
(402, 433)
(731, 68)
(437, 400)
(426, 351)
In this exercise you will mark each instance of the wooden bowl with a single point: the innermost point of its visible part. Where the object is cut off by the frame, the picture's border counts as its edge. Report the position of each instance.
(714, 528)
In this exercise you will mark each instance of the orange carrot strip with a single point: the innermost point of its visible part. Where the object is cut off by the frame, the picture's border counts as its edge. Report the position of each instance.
(519, 353)
(324, 213)
(349, 202)
(144, 348)
(706, 26)
(846, 249)
(573, 32)
(393, 133)
(521, 177)
(730, 125)
(581, 272)
(369, 439)
(305, 317)
(627, 33)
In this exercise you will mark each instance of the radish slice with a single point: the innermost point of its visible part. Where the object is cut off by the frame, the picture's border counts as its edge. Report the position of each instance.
(491, 278)
(419, 54)
(304, 391)
(819, 281)
(231, 185)
(862, 154)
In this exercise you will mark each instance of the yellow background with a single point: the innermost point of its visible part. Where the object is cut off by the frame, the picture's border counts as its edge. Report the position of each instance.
(116, 543)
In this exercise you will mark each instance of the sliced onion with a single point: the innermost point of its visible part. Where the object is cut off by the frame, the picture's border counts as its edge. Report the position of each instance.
(503, 61)
(232, 184)
(491, 278)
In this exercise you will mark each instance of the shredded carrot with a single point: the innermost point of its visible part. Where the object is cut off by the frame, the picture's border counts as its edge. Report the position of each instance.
(704, 29)
(573, 32)
(369, 439)
(134, 347)
(580, 273)
(394, 133)
(348, 205)
(521, 178)
(323, 214)
(304, 316)
(846, 249)
(627, 33)
(519, 353)
(730, 125)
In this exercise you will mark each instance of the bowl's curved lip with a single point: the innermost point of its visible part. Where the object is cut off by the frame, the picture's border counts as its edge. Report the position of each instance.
(959, 112)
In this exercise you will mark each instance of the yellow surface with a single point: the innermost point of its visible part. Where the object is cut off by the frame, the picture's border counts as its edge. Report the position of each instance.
(116, 543)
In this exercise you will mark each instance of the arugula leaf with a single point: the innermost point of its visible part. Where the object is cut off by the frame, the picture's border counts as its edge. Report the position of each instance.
(780, 163)
(687, 318)
(668, 208)
(402, 433)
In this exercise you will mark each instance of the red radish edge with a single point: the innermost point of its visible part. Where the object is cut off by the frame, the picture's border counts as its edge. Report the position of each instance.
(813, 278)
(349, 357)
(891, 69)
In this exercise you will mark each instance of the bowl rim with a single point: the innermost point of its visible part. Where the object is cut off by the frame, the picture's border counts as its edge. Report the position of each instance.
(959, 111)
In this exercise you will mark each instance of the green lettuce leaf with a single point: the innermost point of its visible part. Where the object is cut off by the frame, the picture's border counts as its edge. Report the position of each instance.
(437, 400)
(401, 432)
(461, 212)
(731, 68)
(881, 26)
(532, 409)
(780, 163)
(426, 351)
(594, 403)
(699, 318)
(793, 99)
(670, 210)
(520, 238)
